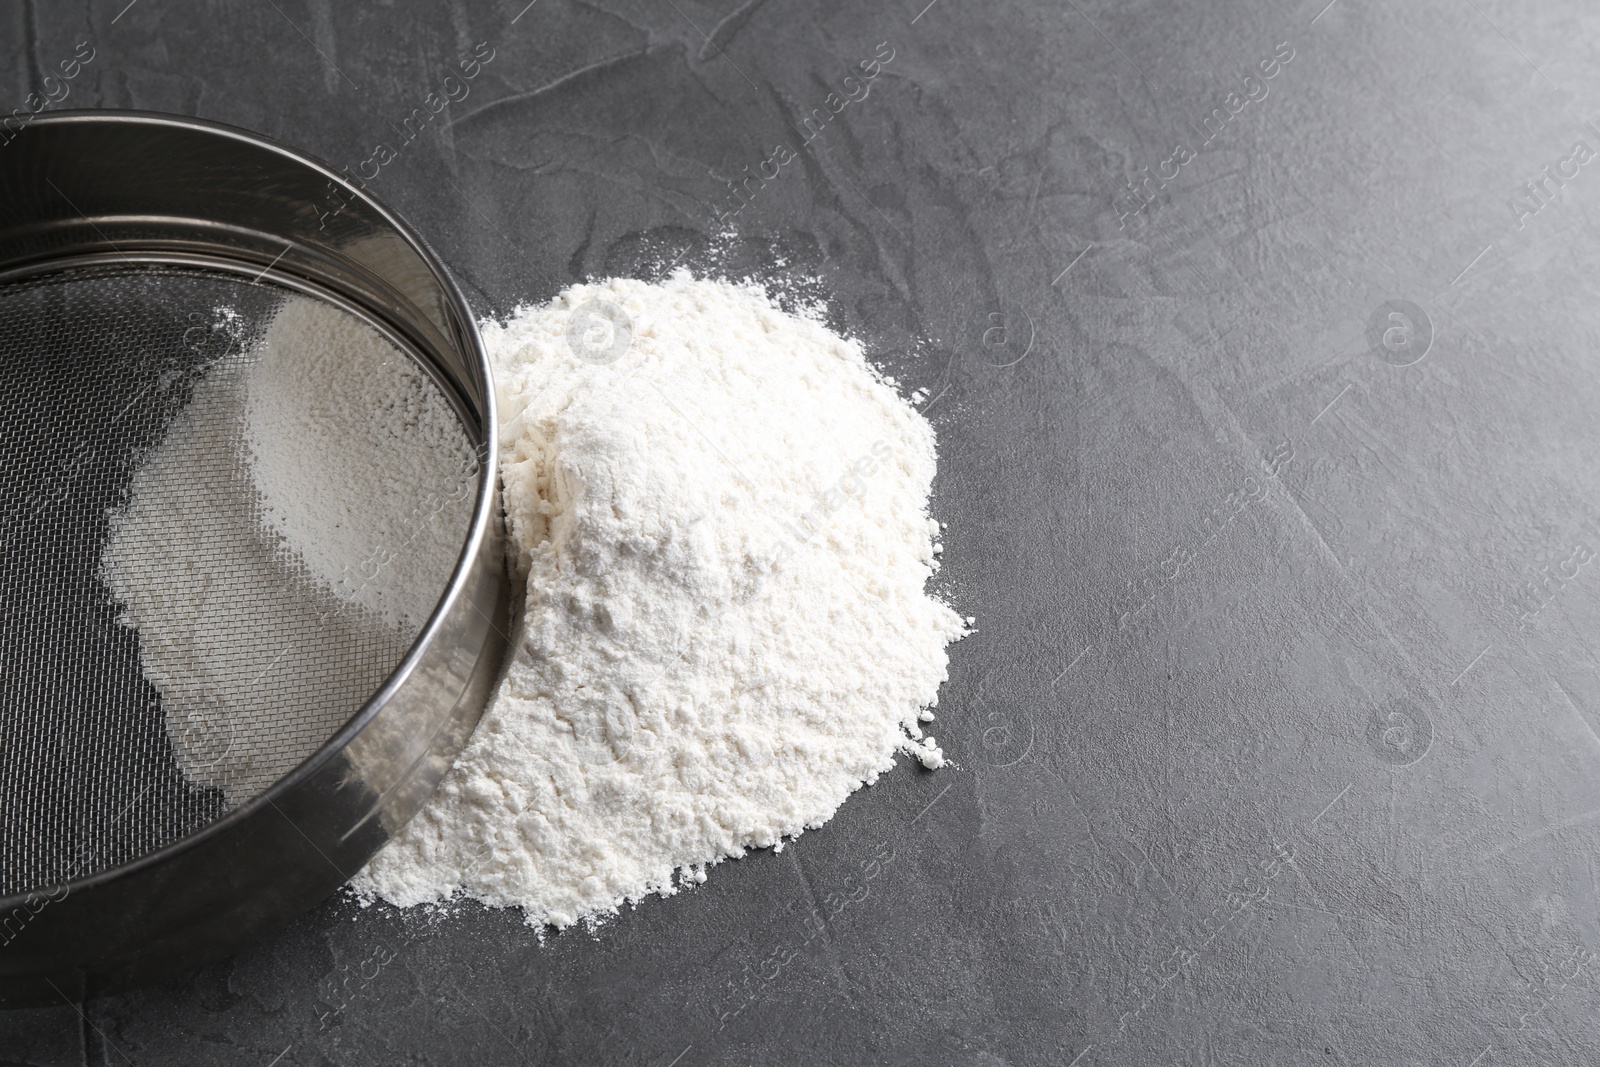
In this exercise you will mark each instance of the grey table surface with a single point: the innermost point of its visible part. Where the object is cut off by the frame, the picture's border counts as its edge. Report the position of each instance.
(1267, 449)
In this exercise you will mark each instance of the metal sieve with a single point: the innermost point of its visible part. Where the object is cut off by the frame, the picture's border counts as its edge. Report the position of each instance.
(201, 733)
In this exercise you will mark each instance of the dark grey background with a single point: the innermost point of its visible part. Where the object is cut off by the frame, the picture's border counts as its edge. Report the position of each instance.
(1266, 753)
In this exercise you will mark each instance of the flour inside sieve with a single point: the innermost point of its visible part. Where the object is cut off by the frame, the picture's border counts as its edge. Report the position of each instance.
(279, 550)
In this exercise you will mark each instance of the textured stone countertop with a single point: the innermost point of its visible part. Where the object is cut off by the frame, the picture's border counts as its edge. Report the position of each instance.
(1261, 341)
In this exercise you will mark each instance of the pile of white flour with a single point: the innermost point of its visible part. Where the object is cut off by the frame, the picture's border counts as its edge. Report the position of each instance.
(281, 546)
(721, 515)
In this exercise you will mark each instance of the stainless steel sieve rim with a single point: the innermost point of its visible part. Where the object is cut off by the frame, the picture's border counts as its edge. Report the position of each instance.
(485, 508)
(404, 286)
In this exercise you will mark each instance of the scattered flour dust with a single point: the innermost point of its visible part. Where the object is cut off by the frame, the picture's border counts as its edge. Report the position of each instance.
(722, 523)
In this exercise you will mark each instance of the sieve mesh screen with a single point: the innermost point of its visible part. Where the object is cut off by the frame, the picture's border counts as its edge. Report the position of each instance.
(164, 657)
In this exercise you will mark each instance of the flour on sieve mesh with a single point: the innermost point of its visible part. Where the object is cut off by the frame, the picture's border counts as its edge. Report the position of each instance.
(721, 516)
(281, 547)
(360, 463)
